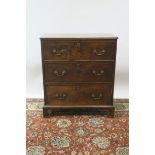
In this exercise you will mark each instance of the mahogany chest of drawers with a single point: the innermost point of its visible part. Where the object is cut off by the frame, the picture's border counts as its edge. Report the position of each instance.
(78, 73)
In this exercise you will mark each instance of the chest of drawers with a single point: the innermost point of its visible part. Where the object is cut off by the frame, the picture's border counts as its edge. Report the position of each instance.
(78, 73)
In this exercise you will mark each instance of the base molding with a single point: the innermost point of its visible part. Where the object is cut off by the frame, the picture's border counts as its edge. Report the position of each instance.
(51, 110)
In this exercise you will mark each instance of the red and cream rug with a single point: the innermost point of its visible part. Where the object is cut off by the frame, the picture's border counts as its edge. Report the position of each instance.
(76, 135)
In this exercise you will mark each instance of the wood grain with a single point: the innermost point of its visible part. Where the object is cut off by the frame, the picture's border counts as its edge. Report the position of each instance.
(78, 73)
(80, 94)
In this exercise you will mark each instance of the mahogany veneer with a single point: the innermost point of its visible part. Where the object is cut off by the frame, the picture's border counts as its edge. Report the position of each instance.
(78, 73)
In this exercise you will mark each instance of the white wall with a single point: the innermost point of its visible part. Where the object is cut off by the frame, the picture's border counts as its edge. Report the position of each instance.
(76, 16)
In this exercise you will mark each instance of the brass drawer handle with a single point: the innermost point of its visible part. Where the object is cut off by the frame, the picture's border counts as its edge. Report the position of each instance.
(56, 72)
(98, 74)
(61, 96)
(97, 96)
(98, 52)
(58, 52)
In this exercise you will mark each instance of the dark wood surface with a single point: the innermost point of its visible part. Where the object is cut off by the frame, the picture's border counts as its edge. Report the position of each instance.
(78, 75)
(78, 110)
(79, 72)
(80, 94)
(79, 50)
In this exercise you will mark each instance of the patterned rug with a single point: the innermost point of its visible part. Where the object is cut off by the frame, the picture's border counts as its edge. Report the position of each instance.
(76, 135)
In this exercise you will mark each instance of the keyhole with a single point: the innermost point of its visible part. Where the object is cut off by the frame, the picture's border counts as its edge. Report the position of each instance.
(77, 45)
(77, 88)
(78, 67)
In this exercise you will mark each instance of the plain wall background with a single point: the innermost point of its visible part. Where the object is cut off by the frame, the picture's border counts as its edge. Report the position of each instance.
(76, 16)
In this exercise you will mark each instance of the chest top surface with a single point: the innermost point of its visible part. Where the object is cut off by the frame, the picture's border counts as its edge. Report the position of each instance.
(78, 36)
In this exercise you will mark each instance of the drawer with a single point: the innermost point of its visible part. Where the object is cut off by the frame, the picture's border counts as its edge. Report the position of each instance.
(59, 50)
(79, 50)
(89, 94)
(79, 72)
(98, 50)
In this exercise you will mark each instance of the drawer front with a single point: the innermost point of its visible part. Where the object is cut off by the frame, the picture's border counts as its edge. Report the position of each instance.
(79, 50)
(59, 50)
(79, 72)
(98, 50)
(79, 94)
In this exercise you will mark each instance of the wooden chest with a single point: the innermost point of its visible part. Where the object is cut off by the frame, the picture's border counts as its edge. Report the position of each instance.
(78, 73)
